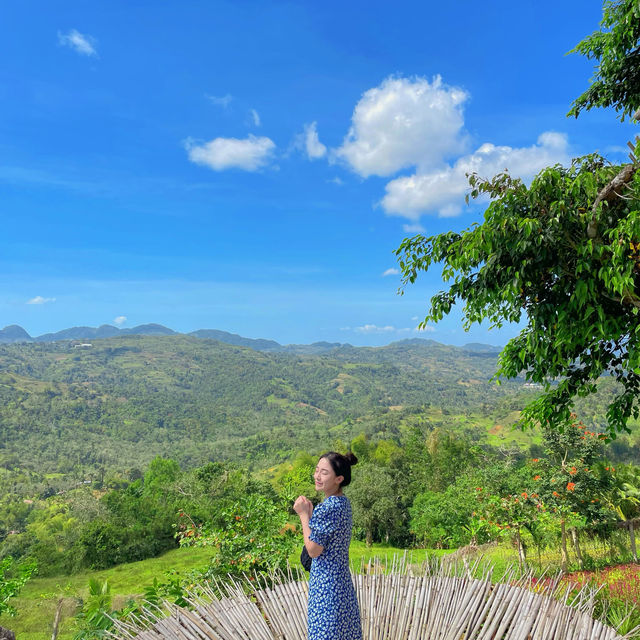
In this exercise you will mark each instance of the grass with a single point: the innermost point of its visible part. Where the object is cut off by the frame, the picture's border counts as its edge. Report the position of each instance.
(39, 597)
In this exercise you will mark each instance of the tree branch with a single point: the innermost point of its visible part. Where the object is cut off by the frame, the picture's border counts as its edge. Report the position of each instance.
(609, 193)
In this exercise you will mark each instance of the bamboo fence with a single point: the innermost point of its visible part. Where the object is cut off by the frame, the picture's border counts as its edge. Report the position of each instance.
(397, 602)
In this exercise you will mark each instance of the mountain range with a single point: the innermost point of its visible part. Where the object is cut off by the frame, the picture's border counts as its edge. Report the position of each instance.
(15, 334)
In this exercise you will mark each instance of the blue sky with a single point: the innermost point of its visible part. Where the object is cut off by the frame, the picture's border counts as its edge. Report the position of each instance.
(251, 166)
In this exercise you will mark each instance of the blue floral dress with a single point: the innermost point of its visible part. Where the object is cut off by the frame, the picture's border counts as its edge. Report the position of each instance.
(333, 609)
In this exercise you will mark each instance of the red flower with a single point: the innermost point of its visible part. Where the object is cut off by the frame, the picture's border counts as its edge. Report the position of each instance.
(571, 486)
(537, 477)
(573, 471)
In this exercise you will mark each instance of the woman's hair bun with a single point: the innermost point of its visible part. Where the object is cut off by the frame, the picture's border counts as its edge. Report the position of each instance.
(351, 458)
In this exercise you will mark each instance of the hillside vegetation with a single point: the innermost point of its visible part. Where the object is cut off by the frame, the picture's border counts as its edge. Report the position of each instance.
(124, 400)
(117, 404)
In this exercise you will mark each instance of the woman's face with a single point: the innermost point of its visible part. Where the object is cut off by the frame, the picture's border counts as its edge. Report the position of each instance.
(326, 479)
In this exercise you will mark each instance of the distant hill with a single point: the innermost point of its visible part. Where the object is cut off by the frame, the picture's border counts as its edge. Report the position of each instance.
(233, 338)
(478, 346)
(79, 333)
(104, 331)
(14, 333)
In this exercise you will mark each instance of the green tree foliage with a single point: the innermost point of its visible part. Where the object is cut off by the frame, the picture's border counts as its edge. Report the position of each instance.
(624, 495)
(616, 49)
(435, 460)
(562, 256)
(375, 502)
(159, 475)
(12, 578)
(573, 479)
(531, 260)
(93, 622)
(296, 479)
(361, 447)
(254, 536)
(444, 519)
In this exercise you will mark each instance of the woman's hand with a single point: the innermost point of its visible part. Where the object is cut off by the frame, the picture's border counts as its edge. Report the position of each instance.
(303, 506)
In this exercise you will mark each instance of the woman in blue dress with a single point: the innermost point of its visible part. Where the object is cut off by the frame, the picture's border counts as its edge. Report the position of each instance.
(333, 612)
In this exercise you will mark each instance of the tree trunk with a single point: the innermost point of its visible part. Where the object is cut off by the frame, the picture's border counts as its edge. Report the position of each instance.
(522, 556)
(576, 546)
(56, 621)
(563, 546)
(369, 537)
(609, 193)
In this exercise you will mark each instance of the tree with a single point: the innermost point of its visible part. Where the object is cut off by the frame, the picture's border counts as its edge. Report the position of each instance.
(562, 254)
(254, 536)
(616, 47)
(574, 482)
(375, 504)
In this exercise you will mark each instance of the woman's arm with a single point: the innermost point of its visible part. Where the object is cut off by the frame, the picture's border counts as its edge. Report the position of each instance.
(304, 508)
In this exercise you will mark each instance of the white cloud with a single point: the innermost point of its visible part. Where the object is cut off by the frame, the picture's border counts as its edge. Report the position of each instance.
(442, 190)
(219, 154)
(372, 328)
(404, 122)
(428, 328)
(221, 101)
(79, 42)
(391, 272)
(255, 116)
(413, 228)
(40, 300)
(312, 145)
(119, 320)
(336, 180)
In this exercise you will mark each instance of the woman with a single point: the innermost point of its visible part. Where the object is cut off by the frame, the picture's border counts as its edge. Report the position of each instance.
(333, 609)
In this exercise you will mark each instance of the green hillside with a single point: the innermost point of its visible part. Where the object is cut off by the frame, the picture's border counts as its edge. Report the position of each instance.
(70, 409)
(124, 400)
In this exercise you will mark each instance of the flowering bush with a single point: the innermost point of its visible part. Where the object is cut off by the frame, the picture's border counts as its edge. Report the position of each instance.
(255, 536)
(622, 581)
(620, 598)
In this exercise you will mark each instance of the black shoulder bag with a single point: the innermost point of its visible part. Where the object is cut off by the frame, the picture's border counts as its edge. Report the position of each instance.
(305, 558)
